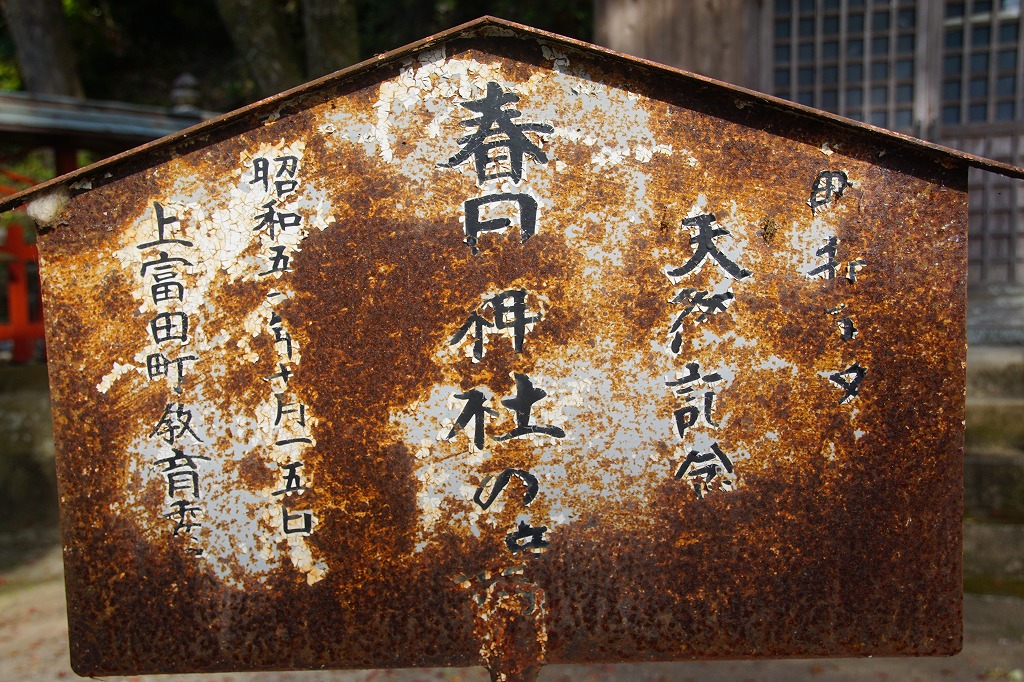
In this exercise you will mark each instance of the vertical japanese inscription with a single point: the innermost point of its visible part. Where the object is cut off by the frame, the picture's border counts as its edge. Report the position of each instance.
(289, 436)
(165, 269)
(827, 187)
(702, 302)
(711, 470)
(206, 462)
(498, 146)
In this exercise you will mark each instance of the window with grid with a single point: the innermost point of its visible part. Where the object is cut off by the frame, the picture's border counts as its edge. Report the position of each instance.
(980, 95)
(994, 241)
(851, 57)
(981, 55)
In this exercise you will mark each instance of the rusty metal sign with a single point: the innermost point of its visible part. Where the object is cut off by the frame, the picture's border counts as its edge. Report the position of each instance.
(504, 350)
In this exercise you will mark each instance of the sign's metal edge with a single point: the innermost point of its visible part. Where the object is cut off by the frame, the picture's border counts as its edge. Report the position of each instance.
(946, 156)
(948, 201)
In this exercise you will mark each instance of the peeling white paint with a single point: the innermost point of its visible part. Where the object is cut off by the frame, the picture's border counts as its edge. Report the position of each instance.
(46, 209)
(580, 398)
(222, 247)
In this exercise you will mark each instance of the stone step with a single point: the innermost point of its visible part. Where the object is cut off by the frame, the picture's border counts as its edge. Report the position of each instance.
(994, 550)
(994, 485)
(995, 371)
(994, 422)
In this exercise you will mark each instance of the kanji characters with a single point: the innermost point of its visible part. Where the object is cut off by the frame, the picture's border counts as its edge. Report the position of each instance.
(829, 185)
(685, 386)
(849, 380)
(496, 130)
(510, 313)
(705, 248)
(703, 469)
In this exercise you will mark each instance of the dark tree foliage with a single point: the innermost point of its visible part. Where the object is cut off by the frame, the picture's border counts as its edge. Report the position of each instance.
(132, 50)
(393, 23)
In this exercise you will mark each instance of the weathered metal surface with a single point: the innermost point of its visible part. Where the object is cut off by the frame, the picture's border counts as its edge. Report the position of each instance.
(729, 387)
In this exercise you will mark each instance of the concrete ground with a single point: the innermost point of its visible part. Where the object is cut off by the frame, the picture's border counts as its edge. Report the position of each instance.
(34, 648)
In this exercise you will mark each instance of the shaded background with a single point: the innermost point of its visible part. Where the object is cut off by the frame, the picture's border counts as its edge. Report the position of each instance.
(238, 50)
(949, 71)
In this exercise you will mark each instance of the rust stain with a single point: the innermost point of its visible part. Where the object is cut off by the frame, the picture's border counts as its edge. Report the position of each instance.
(769, 228)
(750, 452)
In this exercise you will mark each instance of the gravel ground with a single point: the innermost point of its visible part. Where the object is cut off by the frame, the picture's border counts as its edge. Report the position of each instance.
(34, 648)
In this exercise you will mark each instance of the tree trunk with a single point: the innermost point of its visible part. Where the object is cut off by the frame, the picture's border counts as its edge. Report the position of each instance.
(332, 35)
(256, 29)
(710, 37)
(45, 58)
